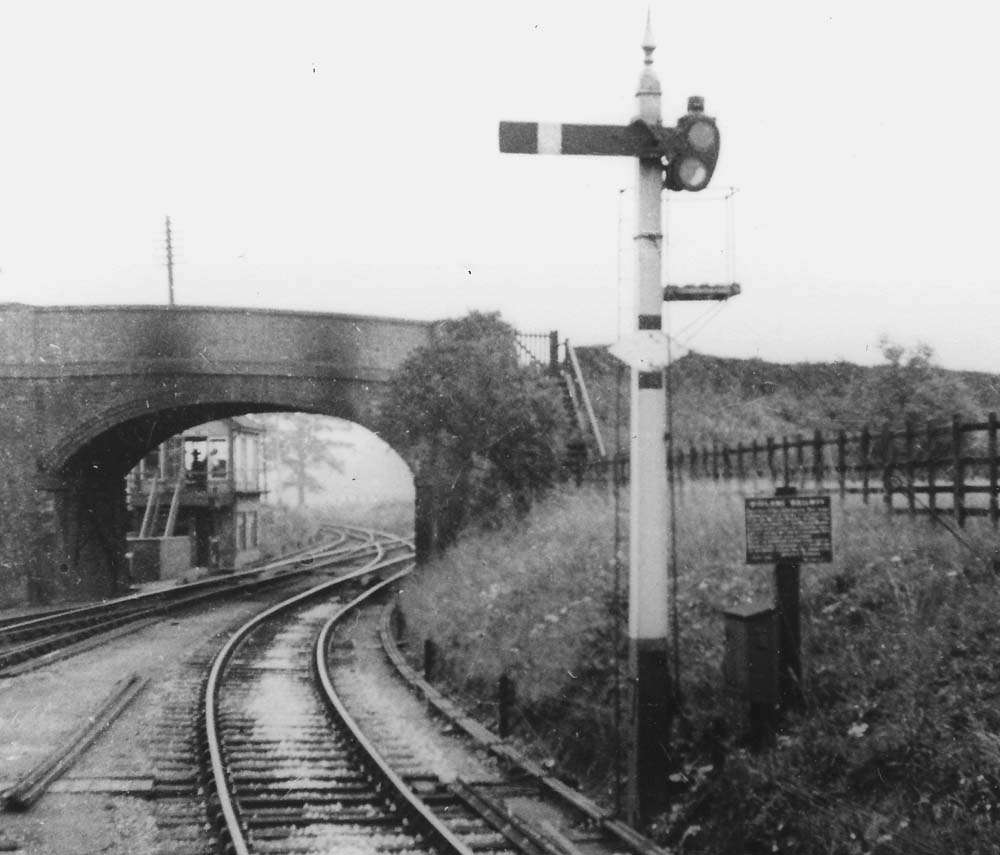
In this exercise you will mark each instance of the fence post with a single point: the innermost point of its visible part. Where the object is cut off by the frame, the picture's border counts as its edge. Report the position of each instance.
(842, 464)
(740, 468)
(693, 457)
(755, 463)
(992, 454)
(911, 448)
(505, 697)
(784, 457)
(771, 469)
(888, 449)
(430, 659)
(866, 450)
(958, 488)
(931, 471)
(800, 460)
(554, 352)
(817, 455)
(715, 460)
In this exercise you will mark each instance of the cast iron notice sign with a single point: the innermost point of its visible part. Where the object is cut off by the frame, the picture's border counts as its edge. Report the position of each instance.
(789, 528)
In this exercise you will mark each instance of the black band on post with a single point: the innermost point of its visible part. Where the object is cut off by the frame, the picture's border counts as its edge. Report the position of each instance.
(650, 322)
(650, 379)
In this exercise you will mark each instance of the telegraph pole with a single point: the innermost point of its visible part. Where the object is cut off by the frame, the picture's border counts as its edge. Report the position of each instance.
(170, 266)
(679, 158)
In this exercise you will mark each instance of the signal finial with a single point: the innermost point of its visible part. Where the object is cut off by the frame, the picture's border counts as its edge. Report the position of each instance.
(648, 95)
(648, 44)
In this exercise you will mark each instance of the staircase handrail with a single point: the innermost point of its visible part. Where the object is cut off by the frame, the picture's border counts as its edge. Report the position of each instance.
(152, 498)
(175, 502)
(585, 397)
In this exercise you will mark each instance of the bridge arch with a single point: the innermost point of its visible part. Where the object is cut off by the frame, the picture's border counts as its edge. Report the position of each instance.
(90, 389)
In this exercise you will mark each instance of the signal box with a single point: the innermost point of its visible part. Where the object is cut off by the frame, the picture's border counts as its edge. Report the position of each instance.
(750, 666)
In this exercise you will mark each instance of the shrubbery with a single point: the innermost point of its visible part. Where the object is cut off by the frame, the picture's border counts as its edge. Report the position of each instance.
(898, 748)
(486, 430)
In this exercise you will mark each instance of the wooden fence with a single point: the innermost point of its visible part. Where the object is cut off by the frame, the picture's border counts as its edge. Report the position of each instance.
(935, 468)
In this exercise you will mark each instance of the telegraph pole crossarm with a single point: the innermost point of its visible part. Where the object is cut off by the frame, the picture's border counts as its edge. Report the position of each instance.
(676, 158)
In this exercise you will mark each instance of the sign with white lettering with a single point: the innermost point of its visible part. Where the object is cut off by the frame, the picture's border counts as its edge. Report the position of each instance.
(789, 528)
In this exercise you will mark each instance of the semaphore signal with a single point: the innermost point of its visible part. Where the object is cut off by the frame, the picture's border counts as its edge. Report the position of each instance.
(681, 158)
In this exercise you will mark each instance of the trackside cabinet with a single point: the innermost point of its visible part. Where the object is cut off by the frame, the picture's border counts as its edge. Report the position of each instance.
(750, 666)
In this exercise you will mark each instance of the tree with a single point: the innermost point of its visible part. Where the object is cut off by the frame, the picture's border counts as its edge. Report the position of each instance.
(464, 413)
(301, 447)
(910, 387)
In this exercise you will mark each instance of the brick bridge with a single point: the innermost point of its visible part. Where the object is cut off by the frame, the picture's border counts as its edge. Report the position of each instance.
(86, 391)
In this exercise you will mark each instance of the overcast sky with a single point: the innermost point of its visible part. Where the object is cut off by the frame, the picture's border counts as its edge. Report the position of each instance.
(343, 157)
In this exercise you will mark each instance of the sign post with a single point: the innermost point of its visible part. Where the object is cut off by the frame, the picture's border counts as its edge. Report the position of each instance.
(679, 158)
(788, 530)
(787, 575)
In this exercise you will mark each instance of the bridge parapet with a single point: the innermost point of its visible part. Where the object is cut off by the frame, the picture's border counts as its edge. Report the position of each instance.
(41, 341)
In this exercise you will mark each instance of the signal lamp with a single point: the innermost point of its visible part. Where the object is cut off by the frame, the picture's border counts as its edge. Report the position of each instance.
(691, 166)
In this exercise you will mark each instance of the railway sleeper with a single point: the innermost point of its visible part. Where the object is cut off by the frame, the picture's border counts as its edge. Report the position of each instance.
(265, 760)
(271, 779)
(294, 819)
(307, 789)
(306, 800)
(323, 740)
(331, 834)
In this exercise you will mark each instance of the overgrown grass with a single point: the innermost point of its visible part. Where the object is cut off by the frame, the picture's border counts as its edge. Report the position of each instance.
(898, 747)
(531, 601)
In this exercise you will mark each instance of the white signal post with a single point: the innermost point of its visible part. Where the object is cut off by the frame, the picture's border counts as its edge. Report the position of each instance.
(648, 625)
(688, 152)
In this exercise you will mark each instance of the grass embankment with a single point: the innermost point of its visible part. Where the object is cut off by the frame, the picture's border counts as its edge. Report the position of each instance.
(898, 747)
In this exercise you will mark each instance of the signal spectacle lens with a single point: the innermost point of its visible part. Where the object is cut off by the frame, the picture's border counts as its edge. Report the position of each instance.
(701, 135)
(692, 173)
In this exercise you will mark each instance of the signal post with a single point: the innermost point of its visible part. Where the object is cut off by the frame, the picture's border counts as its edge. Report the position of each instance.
(678, 158)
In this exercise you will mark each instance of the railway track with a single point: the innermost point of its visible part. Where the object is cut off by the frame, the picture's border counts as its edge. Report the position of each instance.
(298, 762)
(292, 771)
(289, 746)
(30, 643)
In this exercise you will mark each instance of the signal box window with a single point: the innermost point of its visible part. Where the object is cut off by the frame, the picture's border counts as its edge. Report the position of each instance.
(218, 458)
(195, 460)
(151, 463)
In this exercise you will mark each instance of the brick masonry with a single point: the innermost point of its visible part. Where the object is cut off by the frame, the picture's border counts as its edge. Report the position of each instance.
(86, 391)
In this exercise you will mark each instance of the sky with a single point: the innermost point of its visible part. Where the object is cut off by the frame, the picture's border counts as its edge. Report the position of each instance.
(343, 157)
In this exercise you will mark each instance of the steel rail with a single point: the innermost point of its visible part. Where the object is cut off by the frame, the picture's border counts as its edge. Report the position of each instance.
(32, 785)
(46, 648)
(499, 748)
(406, 798)
(61, 617)
(229, 810)
(75, 630)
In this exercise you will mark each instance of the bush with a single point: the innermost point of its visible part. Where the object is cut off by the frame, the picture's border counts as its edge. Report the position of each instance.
(466, 415)
(897, 749)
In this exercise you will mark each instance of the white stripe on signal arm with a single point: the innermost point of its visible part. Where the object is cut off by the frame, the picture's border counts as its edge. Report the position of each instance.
(549, 138)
